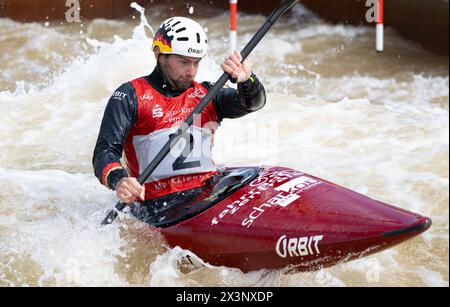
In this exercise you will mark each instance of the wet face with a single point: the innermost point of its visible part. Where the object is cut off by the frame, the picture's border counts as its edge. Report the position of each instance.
(180, 71)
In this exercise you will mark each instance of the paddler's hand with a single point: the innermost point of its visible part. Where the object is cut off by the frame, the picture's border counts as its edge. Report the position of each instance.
(237, 70)
(128, 190)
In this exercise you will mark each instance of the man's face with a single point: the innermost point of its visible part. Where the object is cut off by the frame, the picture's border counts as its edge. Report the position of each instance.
(180, 70)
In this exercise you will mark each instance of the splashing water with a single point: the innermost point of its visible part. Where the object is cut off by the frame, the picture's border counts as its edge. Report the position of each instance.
(377, 124)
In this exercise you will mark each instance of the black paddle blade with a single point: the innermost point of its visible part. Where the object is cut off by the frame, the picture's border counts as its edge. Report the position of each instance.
(113, 214)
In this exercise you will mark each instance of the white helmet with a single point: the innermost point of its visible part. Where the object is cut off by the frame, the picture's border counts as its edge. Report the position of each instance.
(182, 36)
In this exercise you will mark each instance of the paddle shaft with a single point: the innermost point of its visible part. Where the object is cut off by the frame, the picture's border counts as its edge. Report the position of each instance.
(271, 20)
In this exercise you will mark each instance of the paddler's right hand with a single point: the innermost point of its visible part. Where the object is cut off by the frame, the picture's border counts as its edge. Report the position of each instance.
(128, 190)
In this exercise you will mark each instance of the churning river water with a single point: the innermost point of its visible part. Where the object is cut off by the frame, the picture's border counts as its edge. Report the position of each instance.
(375, 123)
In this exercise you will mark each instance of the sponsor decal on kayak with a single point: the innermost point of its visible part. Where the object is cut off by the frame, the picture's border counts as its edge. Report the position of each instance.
(299, 185)
(270, 178)
(236, 205)
(283, 199)
(263, 183)
(289, 193)
(298, 247)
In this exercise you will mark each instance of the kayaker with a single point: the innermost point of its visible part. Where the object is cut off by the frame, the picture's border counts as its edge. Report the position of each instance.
(142, 114)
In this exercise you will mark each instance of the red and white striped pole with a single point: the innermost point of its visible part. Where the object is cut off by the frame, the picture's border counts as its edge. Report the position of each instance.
(233, 25)
(380, 26)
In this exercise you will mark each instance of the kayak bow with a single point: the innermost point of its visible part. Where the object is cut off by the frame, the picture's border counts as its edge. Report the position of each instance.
(286, 218)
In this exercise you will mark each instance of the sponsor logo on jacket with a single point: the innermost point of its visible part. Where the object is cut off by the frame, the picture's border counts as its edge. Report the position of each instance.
(147, 97)
(158, 112)
(118, 95)
(198, 93)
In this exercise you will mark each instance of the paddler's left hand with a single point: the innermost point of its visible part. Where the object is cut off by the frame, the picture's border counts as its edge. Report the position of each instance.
(237, 70)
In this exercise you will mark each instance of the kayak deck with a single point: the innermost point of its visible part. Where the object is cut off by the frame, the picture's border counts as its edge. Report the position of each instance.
(284, 218)
(171, 210)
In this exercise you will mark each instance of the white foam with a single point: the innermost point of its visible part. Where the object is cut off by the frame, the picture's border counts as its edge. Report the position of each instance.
(58, 216)
(386, 137)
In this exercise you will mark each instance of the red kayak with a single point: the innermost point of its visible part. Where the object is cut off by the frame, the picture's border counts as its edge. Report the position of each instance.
(270, 218)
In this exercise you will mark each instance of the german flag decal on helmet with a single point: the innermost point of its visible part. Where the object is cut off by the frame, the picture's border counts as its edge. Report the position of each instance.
(181, 36)
(162, 39)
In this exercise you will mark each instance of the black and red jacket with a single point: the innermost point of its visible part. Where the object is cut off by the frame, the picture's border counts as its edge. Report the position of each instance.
(141, 115)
